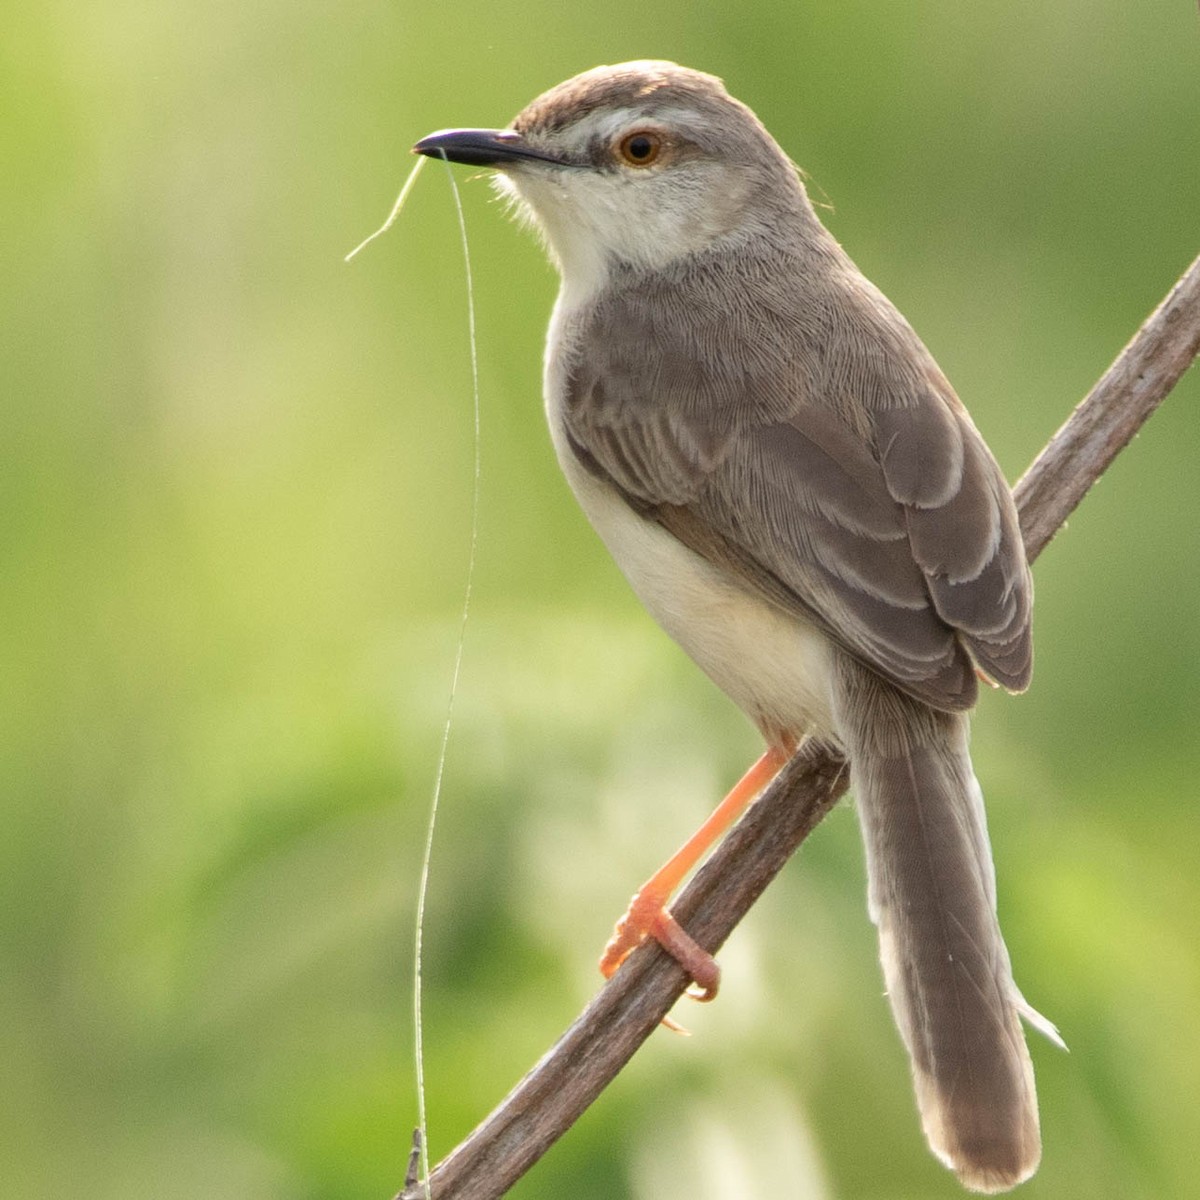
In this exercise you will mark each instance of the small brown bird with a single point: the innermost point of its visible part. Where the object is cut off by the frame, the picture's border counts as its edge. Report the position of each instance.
(799, 498)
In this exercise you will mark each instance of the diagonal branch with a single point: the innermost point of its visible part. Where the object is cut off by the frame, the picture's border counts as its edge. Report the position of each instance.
(1108, 418)
(606, 1035)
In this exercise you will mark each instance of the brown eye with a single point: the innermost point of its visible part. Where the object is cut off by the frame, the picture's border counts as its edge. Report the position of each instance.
(640, 149)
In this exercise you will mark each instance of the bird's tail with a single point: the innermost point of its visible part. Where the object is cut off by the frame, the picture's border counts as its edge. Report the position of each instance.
(933, 897)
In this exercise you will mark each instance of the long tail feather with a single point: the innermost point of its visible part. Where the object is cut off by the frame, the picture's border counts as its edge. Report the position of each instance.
(933, 897)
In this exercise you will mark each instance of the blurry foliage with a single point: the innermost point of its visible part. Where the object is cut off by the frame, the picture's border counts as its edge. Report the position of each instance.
(234, 508)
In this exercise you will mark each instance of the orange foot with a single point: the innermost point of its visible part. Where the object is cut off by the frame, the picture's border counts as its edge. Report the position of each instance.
(647, 915)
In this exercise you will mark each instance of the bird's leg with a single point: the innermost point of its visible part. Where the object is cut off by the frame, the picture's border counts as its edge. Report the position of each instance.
(647, 915)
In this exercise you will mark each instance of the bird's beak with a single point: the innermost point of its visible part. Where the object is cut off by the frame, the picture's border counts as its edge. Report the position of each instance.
(481, 147)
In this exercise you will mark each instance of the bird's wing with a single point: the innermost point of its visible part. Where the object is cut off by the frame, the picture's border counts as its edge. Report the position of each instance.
(899, 541)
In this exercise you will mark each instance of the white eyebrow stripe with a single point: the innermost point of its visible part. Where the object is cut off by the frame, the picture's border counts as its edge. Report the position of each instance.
(606, 123)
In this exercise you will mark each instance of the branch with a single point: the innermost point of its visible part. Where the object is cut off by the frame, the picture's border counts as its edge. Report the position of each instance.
(606, 1035)
(1107, 420)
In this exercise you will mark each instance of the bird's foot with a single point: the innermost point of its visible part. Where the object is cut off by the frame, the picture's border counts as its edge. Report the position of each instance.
(647, 916)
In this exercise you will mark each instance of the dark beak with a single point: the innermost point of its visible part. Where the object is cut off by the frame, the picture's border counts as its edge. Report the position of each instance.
(481, 147)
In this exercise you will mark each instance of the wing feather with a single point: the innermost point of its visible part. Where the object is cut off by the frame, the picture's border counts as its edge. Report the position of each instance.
(863, 500)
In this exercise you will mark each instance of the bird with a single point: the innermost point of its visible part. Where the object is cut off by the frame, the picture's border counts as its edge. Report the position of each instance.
(796, 494)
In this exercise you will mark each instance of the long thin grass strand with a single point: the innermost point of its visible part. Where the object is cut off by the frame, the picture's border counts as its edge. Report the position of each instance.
(423, 887)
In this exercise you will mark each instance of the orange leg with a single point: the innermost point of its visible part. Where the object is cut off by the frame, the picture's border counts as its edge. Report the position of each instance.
(647, 915)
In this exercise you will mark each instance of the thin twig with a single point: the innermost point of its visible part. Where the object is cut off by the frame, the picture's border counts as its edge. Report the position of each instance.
(412, 1177)
(574, 1072)
(1107, 420)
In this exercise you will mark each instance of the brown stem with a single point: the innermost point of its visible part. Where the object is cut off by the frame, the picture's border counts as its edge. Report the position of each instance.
(1107, 419)
(606, 1035)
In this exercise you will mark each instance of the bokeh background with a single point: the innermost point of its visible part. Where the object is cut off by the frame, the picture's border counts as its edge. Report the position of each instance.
(235, 512)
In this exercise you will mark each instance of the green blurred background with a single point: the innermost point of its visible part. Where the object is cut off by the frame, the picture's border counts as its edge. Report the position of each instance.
(235, 512)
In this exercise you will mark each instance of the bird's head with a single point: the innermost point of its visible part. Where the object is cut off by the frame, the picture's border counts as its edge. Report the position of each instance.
(634, 166)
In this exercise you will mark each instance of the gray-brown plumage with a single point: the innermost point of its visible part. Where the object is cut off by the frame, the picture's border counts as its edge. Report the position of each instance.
(796, 493)
(851, 485)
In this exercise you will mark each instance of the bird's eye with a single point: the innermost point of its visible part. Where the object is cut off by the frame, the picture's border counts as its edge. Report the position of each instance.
(640, 149)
